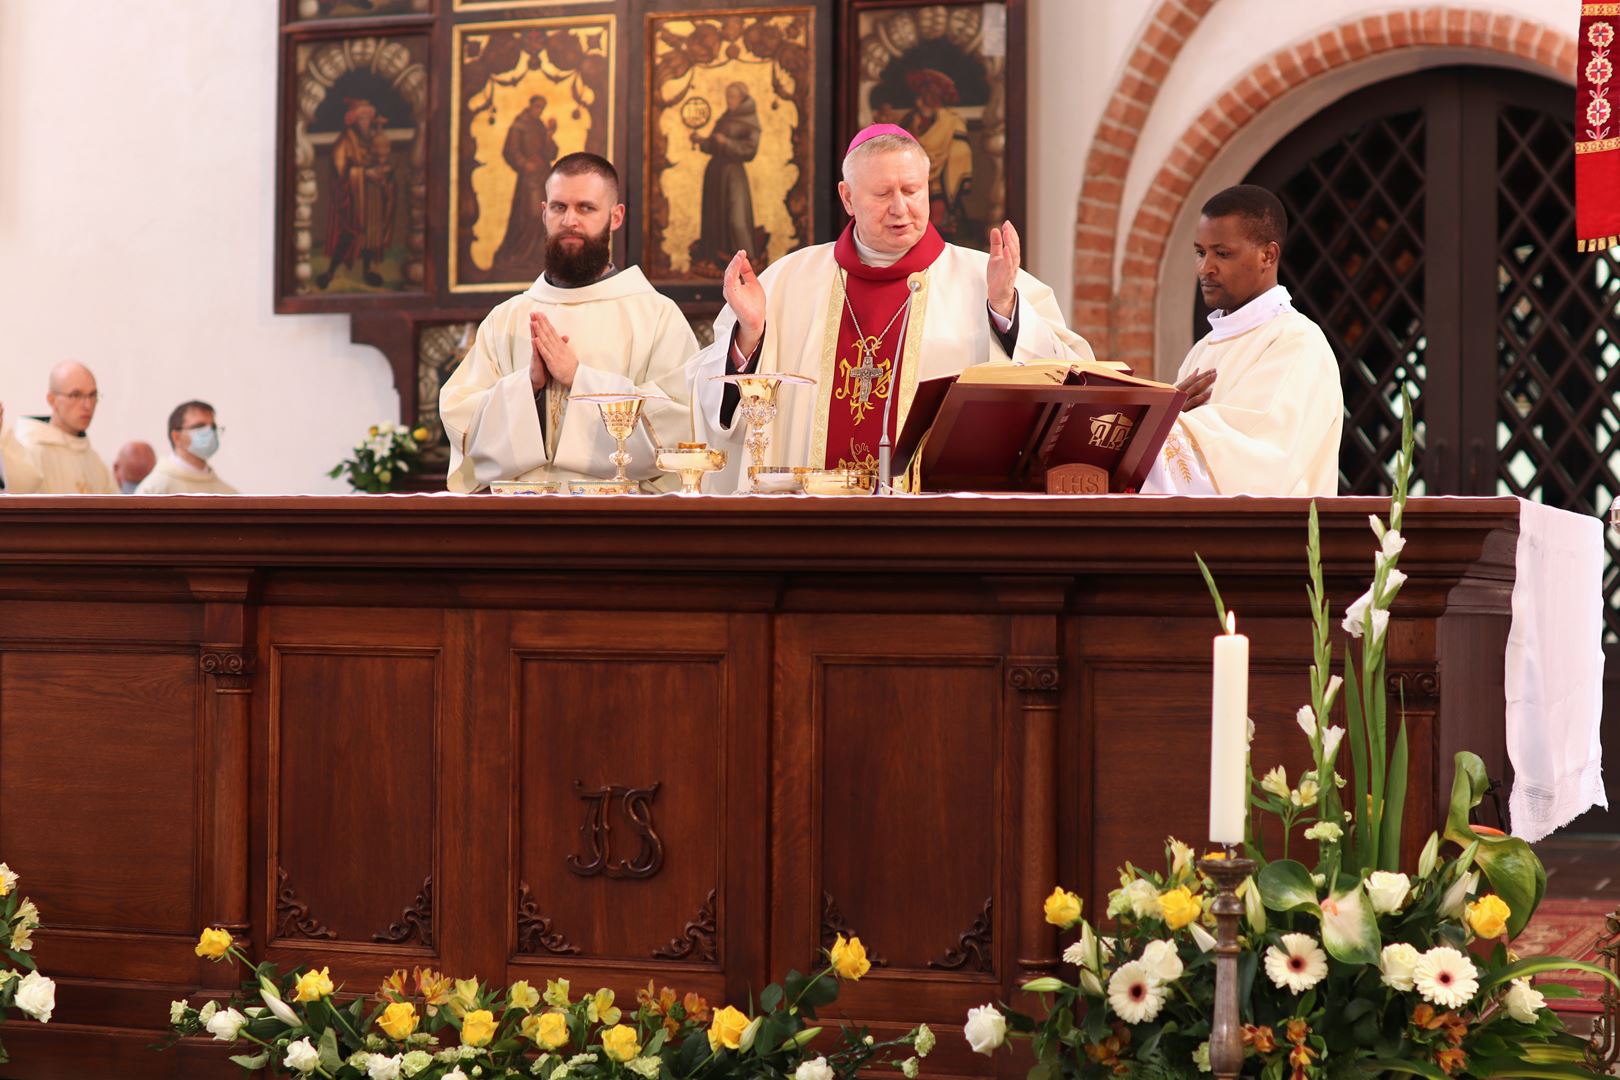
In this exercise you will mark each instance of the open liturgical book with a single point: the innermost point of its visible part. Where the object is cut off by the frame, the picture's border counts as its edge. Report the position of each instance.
(1054, 426)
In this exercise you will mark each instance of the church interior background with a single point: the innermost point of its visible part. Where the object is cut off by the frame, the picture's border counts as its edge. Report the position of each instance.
(161, 218)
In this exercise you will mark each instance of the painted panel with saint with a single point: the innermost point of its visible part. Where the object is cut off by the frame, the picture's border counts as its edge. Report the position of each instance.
(730, 116)
(526, 93)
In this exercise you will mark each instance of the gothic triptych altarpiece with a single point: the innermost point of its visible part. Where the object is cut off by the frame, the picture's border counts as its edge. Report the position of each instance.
(416, 137)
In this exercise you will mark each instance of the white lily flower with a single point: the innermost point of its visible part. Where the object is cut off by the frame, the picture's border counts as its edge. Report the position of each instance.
(1306, 719)
(1392, 585)
(1330, 742)
(1355, 616)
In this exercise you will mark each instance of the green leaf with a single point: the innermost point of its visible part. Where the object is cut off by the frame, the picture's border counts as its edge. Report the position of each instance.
(1366, 855)
(1416, 1068)
(1535, 965)
(1389, 839)
(1513, 870)
(1215, 594)
(1286, 885)
(1516, 1069)
(771, 997)
(330, 1059)
(1350, 927)
(254, 1063)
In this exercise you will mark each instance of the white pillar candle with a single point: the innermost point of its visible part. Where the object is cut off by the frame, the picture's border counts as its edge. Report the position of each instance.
(1229, 737)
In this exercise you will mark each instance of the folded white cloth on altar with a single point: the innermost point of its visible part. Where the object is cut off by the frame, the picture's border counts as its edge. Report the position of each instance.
(1554, 676)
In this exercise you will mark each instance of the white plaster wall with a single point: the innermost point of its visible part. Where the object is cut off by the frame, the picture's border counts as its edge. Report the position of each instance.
(1077, 53)
(137, 188)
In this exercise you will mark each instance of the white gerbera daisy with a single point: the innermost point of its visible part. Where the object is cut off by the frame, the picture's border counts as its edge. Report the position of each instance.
(1445, 977)
(1298, 964)
(1135, 995)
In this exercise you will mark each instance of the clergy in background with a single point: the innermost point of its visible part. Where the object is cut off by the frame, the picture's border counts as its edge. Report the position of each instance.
(193, 438)
(869, 316)
(584, 327)
(1264, 410)
(58, 445)
(17, 473)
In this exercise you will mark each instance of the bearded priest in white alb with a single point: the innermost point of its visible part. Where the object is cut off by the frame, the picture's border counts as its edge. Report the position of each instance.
(582, 328)
(1264, 408)
(886, 306)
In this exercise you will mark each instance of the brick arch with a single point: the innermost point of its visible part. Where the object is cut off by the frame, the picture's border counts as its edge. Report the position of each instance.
(1288, 69)
(1102, 191)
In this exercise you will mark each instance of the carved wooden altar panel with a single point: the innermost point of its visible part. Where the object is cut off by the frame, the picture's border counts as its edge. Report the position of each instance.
(353, 738)
(635, 739)
(72, 714)
(895, 797)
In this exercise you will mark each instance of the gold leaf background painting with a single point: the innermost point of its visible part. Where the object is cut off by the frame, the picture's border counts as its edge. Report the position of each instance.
(696, 59)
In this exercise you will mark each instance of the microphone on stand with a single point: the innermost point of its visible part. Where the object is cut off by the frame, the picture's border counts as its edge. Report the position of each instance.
(885, 450)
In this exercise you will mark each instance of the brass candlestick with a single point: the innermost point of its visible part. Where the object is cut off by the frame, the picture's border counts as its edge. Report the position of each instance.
(758, 409)
(1226, 1035)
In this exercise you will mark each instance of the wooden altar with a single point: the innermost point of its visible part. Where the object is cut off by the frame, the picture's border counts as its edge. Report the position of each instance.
(684, 739)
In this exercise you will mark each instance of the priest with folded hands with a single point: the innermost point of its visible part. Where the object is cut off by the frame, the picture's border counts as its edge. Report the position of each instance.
(869, 316)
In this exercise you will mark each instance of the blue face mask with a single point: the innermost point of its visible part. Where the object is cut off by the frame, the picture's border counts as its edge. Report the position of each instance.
(205, 441)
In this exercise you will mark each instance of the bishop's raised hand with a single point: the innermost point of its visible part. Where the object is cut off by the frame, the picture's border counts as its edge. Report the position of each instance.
(1001, 273)
(746, 298)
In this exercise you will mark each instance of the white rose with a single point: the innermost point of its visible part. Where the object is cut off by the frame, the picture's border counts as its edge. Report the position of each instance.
(224, 1025)
(1524, 1001)
(1161, 961)
(1387, 891)
(1398, 963)
(36, 996)
(384, 1068)
(1143, 897)
(986, 1029)
(301, 1057)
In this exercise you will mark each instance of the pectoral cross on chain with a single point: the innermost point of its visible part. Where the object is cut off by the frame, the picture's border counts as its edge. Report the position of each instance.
(869, 375)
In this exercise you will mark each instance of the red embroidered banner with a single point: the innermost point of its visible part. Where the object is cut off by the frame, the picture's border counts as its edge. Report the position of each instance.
(1597, 140)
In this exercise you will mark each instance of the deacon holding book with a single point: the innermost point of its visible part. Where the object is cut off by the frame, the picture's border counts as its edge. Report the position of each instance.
(889, 304)
(1264, 407)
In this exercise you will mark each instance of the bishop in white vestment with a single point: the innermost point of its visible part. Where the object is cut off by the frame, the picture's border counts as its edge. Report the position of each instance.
(581, 328)
(886, 306)
(58, 446)
(1265, 409)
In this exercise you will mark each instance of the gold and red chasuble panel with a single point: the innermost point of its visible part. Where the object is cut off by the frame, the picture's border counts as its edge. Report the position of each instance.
(866, 373)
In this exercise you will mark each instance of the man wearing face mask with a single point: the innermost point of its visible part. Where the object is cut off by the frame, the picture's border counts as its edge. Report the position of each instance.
(584, 327)
(887, 305)
(194, 438)
(58, 445)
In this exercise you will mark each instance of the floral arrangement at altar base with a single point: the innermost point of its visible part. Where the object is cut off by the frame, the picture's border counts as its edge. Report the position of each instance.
(1350, 967)
(424, 1025)
(383, 458)
(31, 994)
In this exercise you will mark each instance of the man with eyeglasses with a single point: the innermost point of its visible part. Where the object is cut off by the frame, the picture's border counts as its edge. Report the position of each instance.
(194, 437)
(57, 443)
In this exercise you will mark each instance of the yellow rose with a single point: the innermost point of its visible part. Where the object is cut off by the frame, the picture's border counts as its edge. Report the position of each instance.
(420, 434)
(620, 1042)
(1488, 916)
(1179, 907)
(548, 1030)
(523, 996)
(477, 1028)
(464, 997)
(213, 944)
(398, 1021)
(727, 1029)
(314, 985)
(849, 958)
(1062, 908)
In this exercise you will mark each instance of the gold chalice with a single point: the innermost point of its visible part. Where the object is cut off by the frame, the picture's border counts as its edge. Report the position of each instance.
(620, 413)
(758, 408)
(691, 460)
